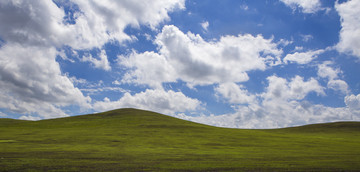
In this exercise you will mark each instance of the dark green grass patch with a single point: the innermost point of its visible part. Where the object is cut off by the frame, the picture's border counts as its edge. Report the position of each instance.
(136, 140)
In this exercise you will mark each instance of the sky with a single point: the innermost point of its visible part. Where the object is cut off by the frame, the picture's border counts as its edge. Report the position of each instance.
(228, 63)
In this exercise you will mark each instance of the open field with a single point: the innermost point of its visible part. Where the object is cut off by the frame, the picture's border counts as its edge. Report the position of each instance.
(136, 140)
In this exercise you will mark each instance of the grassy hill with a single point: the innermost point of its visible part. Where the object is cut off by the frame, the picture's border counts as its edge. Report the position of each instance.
(136, 140)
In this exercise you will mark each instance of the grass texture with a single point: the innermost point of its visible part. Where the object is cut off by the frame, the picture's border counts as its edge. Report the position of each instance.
(137, 140)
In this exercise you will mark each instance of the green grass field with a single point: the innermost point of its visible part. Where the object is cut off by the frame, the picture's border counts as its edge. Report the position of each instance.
(136, 140)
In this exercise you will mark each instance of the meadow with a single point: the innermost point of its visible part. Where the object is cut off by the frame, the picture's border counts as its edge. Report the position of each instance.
(137, 140)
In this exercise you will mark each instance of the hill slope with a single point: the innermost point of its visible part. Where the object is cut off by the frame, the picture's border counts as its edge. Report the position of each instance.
(136, 140)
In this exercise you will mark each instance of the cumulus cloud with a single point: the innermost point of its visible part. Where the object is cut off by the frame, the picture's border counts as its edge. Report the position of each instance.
(307, 6)
(306, 38)
(280, 89)
(91, 91)
(302, 57)
(326, 71)
(33, 82)
(353, 101)
(30, 118)
(286, 115)
(332, 75)
(158, 100)
(31, 22)
(101, 63)
(205, 25)
(2, 114)
(235, 94)
(197, 62)
(32, 31)
(284, 42)
(282, 104)
(102, 20)
(148, 68)
(338, 85)
(350, 27)
(116, 82)
(42, 22)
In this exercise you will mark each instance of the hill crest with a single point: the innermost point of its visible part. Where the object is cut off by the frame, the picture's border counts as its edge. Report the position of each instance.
(144, 117)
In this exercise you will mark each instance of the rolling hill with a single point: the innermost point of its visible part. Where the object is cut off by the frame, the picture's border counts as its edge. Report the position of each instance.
(137, 140)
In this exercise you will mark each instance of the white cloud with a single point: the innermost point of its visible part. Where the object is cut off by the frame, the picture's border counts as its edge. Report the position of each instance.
(30, 118)
(282, 104)
(2, 114)
(307, 6)
(30, 77)
(244, 7)
(306, 38)
(353, 101)
(350, 31)
(62, 55)
(280, 89)
(338, 85)
(99, 21)
(303, 57)
(31, 22)
(147, 36)
(33, 82)
(235, 94)
(103, 89)
(283, 115)
(298, 48)
(166, 102)
(102, 20)
(197, 62)
(39, 108)
(101, 63)
(116, 82)
(226, 120)
(148, 68)
(285, 42)
(205, 25)
(326, 71)
(78, 81)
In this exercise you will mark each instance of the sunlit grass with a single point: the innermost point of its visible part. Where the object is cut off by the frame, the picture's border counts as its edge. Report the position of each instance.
(136, 140)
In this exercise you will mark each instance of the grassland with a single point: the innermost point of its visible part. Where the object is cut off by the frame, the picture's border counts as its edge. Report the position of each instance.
(136, 140)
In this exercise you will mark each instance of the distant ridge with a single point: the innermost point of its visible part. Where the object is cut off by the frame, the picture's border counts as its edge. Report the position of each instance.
(341, 125)
(118, 113)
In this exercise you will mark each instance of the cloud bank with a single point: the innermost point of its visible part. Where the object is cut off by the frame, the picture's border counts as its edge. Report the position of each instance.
(188, 57)
(33, 32)
(350, 27)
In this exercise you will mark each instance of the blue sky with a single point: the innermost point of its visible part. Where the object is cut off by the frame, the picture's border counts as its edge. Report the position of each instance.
(228, 63)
